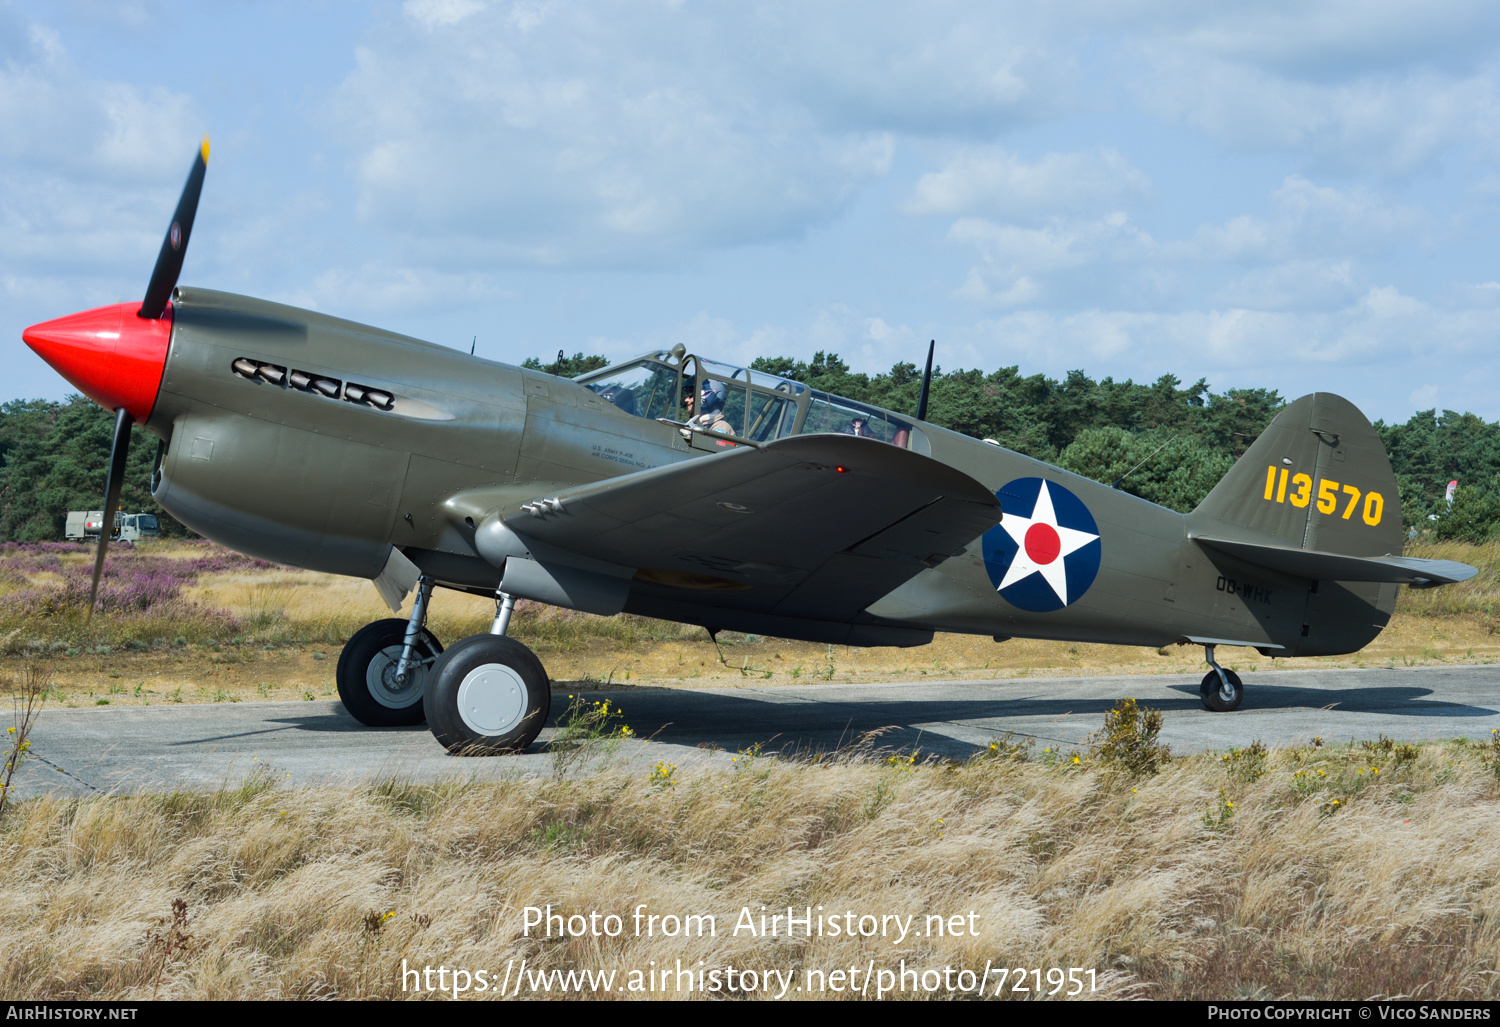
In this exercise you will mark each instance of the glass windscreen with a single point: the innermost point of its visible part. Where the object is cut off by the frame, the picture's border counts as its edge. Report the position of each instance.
(766, 410)
(757, 405)
(845, 417)
(771, 416)
(722, 372)
(645, 388)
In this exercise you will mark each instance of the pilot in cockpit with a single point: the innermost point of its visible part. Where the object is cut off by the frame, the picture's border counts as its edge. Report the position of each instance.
(860, 426)
(710, 413)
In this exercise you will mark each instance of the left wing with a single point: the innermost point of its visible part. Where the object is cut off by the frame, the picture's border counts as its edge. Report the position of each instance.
(813, 526)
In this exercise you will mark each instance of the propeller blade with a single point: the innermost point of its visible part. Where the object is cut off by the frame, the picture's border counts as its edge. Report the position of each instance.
(118, 451)
(926, 382)
(174, 246)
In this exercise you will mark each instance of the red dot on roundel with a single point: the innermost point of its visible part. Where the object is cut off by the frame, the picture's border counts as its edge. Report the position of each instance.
(1042, 543)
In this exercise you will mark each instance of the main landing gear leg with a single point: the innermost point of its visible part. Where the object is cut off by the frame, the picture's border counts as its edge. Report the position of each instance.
(384, 669)
(1221, 690)
(504, 606)
(414, 627)
(489, 693)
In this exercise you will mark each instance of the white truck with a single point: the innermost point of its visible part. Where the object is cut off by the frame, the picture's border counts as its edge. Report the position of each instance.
(85, 526)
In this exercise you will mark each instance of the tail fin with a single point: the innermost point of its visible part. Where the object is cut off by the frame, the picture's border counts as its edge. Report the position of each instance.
(1314, 498)
(1316, 479)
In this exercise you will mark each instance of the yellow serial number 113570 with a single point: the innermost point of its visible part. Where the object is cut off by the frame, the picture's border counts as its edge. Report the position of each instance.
(1330, 493)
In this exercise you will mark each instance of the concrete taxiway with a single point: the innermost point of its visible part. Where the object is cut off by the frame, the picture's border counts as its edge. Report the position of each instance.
(305, 743)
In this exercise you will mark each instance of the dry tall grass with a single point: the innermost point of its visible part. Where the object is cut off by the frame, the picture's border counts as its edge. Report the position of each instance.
(1251, 874)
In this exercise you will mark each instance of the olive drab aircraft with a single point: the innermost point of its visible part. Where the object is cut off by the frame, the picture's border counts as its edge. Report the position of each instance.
(677, 487)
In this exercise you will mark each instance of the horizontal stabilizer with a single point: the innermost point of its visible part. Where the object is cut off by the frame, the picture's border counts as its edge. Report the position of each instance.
(1205, 640)
(1321, 566)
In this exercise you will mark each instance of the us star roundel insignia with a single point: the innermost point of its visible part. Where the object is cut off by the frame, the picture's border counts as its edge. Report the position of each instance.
(1044, 553)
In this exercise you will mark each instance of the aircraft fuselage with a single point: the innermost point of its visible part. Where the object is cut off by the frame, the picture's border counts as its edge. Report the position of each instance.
(410, 444)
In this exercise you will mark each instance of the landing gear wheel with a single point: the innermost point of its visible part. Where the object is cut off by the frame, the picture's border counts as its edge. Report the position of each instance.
(366, 674)
(1216, 697)
(488, 694)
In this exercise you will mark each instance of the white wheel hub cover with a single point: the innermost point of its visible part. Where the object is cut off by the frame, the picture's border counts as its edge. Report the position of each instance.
(492, 699)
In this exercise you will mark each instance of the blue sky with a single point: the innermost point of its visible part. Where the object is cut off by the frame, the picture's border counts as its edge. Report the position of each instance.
(1300, 196)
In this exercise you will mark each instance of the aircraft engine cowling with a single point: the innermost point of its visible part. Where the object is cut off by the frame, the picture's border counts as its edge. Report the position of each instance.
(282, 494)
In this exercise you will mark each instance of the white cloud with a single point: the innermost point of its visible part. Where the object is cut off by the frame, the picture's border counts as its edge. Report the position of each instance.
(992, 183)
(1470, 295)
(1424, 397)
(571, 133)
(941, 69)
(1378, 329)
(1306, 255)
(1021, 266)
(89, 170)
(1294, 285)
(1392, 123)
(1309, 221)
(552, 132)
(587, 134)
(55, 119)
(379, 288)
(1340, 37)
(1322, 219)
(435, 14)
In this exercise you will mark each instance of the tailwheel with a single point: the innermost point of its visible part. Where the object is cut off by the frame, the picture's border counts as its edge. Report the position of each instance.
(488, 694)
(373, 690)
(1221, 696)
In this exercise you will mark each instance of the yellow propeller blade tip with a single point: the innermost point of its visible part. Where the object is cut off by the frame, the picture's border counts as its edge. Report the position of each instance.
(204, 149)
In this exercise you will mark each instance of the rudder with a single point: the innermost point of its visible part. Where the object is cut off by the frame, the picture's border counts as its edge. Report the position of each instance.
(1317, 478)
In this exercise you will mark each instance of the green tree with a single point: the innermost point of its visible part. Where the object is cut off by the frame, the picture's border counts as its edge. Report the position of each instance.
(565, 366)
(1168, 468)
(1474, 515)
(1414, 508)
(55, 459)
(1429, 450)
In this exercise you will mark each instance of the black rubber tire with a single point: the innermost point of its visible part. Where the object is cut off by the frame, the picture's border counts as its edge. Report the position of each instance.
(506, 703)
(1211, 692)
(373, 643)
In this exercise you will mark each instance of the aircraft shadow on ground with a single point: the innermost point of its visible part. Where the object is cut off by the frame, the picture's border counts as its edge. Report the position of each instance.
(735, 722)
(1396, 700)
(331, 723)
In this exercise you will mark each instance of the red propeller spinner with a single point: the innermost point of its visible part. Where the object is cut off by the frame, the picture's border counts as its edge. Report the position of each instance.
(112, 355)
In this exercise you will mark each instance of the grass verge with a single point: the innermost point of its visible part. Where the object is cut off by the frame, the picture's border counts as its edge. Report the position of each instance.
(1314, 872)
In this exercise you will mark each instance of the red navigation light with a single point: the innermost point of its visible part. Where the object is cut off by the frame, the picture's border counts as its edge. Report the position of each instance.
(841, 470)
(114, 357)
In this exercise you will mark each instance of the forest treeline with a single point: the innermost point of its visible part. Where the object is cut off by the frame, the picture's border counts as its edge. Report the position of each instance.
(1172, 443)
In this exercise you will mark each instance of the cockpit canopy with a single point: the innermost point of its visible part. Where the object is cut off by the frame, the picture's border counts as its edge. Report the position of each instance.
(757, 405)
